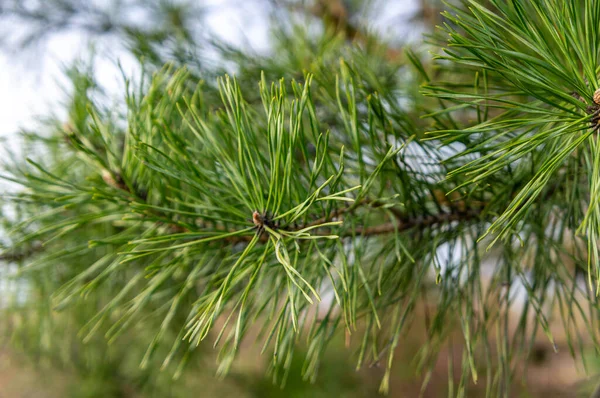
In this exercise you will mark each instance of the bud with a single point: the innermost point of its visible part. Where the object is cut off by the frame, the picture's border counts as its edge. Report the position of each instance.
(597, 97)
(115, 181)
(108, 178)
(258, 219)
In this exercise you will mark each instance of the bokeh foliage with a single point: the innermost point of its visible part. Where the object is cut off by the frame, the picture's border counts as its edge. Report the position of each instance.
(331, 187)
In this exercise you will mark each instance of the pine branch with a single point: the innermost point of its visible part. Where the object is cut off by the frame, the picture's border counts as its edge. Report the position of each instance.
(403, 222)
(217, 216)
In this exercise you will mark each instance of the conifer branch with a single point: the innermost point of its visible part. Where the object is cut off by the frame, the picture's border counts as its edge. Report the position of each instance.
(403, 222)
(223, 209)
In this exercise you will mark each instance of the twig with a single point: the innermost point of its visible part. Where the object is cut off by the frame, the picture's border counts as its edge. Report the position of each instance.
(11, 257)
(334, 14)
(421, 222)
(403, 223)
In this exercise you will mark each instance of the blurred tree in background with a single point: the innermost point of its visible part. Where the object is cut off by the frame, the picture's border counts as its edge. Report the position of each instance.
(345, 197)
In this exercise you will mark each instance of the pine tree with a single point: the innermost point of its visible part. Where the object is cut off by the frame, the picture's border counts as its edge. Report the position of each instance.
(336, 185)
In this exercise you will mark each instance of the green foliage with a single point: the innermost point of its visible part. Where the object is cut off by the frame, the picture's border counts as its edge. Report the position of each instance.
(290, 210)
(536, 70)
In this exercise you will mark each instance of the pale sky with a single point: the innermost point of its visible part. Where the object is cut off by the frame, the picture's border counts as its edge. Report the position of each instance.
(32, 84)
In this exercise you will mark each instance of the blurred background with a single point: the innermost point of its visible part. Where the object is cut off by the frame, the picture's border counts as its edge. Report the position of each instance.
(47, 47)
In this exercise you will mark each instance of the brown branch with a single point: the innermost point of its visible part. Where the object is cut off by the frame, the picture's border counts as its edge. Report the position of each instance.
(459, 211)
(402, 223)
(116, 181)
(13, 257)
(420, 222)
(374, 203)
(334, 215)
(334, 15)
